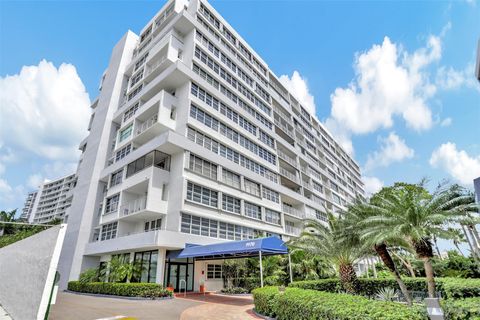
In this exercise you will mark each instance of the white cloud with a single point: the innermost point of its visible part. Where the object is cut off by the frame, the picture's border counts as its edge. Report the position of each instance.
(51, 171)
(47, 111)
(390, 82)
(299, 87)
(457, 163)
(372, 185)
(451, 79)
(392, 149)
(10, 196)
(446, 122)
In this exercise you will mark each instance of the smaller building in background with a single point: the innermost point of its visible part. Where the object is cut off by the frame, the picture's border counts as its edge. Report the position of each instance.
(476, 185)
(28, 206)
(51, 201)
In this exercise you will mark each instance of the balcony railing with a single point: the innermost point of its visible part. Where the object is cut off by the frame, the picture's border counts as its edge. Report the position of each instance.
(283, 127)
(292, 211)
(289, 175)
(155, 65)
(295, 231)
(287, 158)
(147, 124)
(133, 206)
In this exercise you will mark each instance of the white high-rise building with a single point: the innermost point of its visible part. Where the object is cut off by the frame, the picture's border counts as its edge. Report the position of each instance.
(193, 139)
(28, 205)
(51, 201)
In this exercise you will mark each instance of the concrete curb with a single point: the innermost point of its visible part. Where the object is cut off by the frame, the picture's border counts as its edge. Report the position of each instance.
(262, 316)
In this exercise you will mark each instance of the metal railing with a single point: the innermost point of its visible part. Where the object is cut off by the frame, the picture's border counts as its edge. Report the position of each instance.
(292, 211)
(133, 206)
(155, 65)
(293, 230)
(287, 158)
(147, 124)
(289, 175)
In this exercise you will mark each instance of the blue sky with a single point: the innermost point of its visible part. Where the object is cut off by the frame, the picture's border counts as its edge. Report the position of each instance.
(353, 57)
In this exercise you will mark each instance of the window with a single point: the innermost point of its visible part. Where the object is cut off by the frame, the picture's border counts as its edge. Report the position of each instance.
(230, 204)
(112, 204)
(116, 178)
(200, 194)
(122, 153)
(321, 215)
(230, 178)
(265, 138)
(252, 187)
(148, 261)
(253, 211)
(317, 187)
(272, 216)
(130, 112)
(336, 198)
(215, 229)
(203, 167)
(125, 133)
(154, 158)
(214, 271)
(153, 225)
(271, 195)
(109, 231)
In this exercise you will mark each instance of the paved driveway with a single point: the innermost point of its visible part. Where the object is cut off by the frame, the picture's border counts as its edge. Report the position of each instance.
(71, 306)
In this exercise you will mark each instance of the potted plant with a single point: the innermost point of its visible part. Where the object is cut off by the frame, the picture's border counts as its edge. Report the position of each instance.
(202, 286)
(170, 287)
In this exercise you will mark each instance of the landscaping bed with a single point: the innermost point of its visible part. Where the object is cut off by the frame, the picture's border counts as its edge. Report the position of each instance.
(450, 288)
(299, 304)
(462, 309)
(144, 290)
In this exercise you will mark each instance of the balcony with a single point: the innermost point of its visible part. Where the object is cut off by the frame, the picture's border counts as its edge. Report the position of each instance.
(289, 175)
(293, 212)
(133, 206)
(294, 231)
(287, 158)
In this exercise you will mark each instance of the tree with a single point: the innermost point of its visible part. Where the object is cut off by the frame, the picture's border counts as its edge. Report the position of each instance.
(355, 222)
(7, 216)
(324, 241)
(411, 213)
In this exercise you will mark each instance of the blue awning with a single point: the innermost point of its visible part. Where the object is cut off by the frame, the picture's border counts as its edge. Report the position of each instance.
(235, 249)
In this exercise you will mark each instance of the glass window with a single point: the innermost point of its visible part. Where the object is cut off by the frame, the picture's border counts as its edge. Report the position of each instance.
(148, 261)
(214, 271)
(200, 194)
(272, 216)
(109, 231)
(271, 195)
(253, 211)
(252, 187)
(116, 178)
(112, 204)
(125, 133)
(230, 178)
(230, 204)
(203, 167)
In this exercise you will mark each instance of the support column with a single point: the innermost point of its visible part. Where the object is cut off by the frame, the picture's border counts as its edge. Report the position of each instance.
(261, 268)
(161, 265)
(290, 267)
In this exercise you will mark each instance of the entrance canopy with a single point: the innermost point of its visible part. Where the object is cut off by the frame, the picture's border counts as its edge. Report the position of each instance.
(235, 249)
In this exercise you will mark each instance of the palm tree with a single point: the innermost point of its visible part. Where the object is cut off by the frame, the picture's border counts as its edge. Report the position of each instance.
(322, 240)
(411, 213)
(7, 216)
(375, 239)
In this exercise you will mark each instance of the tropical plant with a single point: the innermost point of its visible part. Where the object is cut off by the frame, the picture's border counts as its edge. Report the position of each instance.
(324, 241)
(386, 294)
(120, 269)
(7, 216)
(89, 275)
(409, 212)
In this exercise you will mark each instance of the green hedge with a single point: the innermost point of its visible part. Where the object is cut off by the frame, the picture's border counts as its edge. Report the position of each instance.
(448, 287)
(462, 309)
(146, 290)
(302, 304)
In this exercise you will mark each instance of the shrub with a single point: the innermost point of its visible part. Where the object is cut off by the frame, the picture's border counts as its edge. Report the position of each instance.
(454, 288)
(145, 290)
(234, 290)
(462, 309)
(300, 304)
(89, 275)
(448, 287)
(265, 300)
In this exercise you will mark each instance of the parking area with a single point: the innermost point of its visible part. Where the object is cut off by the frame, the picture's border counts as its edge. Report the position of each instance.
(211, 306)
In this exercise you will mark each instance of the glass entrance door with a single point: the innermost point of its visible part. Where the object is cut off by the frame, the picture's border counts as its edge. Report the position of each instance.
(178, 276)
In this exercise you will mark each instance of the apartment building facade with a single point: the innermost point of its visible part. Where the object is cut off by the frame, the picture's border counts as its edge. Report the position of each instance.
(193, 139)
(28, 205)
(51, 201)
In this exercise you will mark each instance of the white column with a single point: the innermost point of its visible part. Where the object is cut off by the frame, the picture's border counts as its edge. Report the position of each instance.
(261, 268)
(161, 265)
